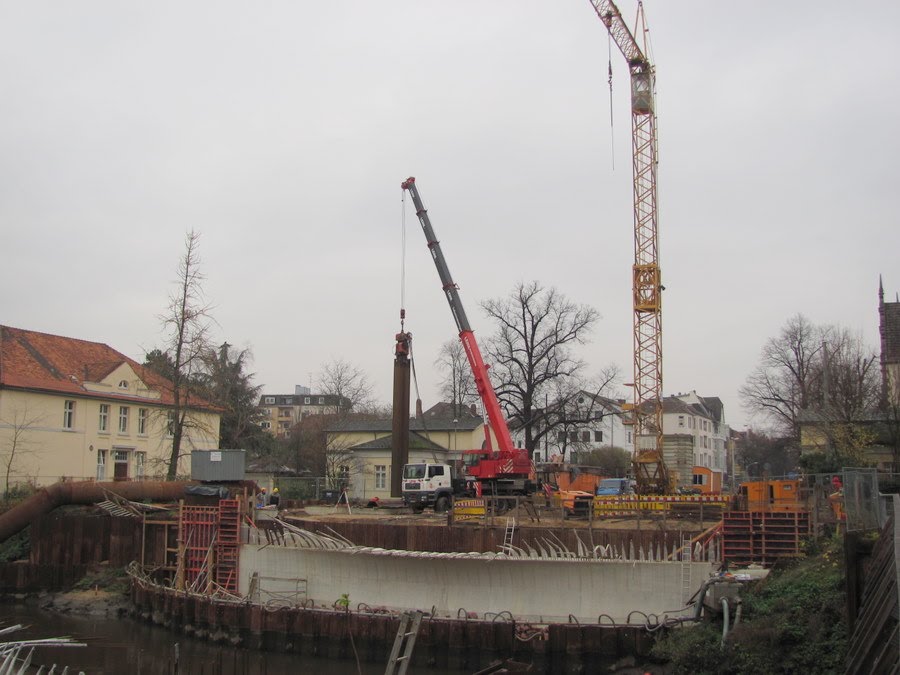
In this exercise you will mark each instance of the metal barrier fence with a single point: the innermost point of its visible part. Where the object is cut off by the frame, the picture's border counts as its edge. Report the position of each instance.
(863, 505)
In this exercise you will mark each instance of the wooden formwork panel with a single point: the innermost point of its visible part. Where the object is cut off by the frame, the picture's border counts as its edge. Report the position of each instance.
(763, 537)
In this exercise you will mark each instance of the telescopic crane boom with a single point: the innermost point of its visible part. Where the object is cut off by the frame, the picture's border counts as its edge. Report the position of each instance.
(650, 469)
(466, 335)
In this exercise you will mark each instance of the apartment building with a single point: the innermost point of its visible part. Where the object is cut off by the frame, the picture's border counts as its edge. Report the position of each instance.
(281, 412)
(703, 419)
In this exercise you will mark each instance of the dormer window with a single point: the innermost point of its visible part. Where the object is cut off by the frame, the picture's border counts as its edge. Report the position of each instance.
(123, 384)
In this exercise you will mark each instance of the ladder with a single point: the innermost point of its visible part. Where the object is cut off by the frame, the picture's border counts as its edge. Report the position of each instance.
(405, 642)
(530, 510)
(510, 531)
(686, 586)
(228, 544)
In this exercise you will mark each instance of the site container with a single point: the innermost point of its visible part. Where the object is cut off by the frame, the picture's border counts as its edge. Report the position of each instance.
(217, 465)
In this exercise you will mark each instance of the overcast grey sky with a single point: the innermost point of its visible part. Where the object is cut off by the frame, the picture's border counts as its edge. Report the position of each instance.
(281, 131)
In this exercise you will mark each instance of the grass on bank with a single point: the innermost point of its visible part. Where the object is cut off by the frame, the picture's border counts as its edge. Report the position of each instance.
(793, 622)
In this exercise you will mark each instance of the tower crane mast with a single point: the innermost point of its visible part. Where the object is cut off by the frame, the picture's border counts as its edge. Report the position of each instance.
(651, 473)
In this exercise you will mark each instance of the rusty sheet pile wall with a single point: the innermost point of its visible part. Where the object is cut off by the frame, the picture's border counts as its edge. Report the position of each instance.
(65, 545)
(459, 643)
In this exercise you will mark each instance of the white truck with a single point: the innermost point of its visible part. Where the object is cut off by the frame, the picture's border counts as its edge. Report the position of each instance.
(427, 484)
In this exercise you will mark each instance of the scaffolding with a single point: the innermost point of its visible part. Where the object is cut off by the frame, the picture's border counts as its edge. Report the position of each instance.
(209, 539)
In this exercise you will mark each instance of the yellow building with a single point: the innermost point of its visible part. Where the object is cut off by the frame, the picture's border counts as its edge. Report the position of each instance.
(79, 410)
(359, 451)
(871, 434)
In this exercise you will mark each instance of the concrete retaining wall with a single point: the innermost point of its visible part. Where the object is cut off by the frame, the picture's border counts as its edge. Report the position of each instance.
(543, 591)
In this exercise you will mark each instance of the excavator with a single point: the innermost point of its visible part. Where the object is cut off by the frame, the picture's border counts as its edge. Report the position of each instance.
(508, 470)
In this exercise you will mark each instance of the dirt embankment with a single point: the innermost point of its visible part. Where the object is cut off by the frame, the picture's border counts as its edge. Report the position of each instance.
(102, 592)
(97, 602)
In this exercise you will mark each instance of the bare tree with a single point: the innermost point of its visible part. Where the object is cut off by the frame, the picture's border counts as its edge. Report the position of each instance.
(187, 323)
(348, 383)
(316, 445)
(851, 377)
(532, 357)
(823, 371)
(572, 406)
(16, 441)
(758, 452)
(783, 382)
(458, 385)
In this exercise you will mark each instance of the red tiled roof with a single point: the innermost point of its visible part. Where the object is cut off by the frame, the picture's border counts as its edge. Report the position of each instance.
(39, 361)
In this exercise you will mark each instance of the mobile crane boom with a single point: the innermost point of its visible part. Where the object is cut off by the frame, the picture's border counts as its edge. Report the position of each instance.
(466, 335)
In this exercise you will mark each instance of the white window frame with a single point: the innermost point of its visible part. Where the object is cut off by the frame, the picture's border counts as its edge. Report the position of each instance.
(101, 465)
(103, 420)
(306, 400)
(321, 400)
(170, 425)
(123, 419)
(69, 414)
(380, 476)
(140, 460)
(123, 384)
(270, 400)
(142, 421)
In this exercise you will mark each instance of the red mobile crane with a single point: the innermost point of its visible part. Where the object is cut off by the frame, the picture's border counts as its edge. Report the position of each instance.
(507, 470)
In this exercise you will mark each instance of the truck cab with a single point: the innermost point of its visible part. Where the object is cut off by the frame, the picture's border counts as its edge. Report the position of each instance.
(426, 484)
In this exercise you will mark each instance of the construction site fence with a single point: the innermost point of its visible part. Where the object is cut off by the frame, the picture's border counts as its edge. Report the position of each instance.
(594, 507)
(866, 506)
(308, 488)
(887, 482)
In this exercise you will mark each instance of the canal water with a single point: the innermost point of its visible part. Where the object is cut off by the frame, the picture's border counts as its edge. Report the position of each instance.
(130, 647)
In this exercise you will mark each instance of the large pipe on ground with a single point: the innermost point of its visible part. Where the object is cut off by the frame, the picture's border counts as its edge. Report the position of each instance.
(88, 492)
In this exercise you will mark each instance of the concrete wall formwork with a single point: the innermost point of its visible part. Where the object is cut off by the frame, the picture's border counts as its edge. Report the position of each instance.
(535, 590)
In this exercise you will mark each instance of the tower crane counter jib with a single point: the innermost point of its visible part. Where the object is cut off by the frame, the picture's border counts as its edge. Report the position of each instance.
(506, 470)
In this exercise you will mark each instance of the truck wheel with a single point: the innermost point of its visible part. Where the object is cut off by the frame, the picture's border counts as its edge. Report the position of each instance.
(442, 504)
